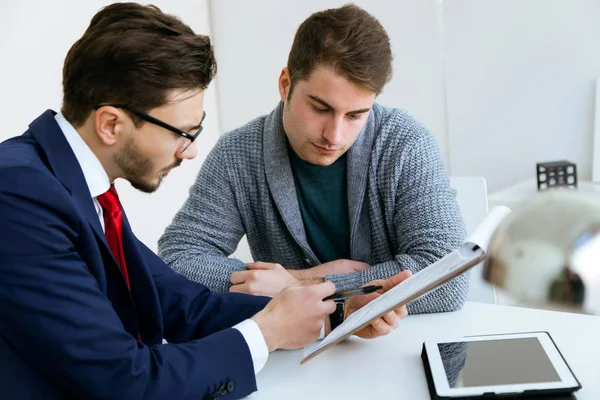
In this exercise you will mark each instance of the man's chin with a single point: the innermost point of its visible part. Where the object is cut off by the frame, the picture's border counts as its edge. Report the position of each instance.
(323, 161)
(146, 186)
(150, 185)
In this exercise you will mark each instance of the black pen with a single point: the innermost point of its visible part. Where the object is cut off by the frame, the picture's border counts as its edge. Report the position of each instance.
(354, 292)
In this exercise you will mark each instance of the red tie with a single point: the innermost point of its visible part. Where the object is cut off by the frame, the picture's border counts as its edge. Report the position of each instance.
(113, 227)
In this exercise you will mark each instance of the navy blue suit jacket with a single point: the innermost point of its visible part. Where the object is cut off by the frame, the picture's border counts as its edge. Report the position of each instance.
(68, 323)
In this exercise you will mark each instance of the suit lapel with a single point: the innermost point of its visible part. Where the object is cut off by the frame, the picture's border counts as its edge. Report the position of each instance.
(142, 288)
(66, 168)
(280, 178)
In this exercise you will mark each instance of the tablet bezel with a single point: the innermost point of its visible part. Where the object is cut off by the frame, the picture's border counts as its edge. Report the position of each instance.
(567, 379)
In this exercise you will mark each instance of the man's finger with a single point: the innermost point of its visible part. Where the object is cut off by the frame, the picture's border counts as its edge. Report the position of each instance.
(401, 312)
(324, 289)
(242, 288)
(402, 276)
(329, 307)
(395, 280)
(376, 323)
(380, 327)
(240, 277)
(250, 288)
(392, 319)
(260, 265)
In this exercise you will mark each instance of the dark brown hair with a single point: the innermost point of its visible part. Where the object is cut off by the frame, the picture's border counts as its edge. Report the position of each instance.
(133, 54)
(347, 39)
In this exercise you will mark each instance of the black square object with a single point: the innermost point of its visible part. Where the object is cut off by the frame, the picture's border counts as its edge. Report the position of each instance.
(556, 174)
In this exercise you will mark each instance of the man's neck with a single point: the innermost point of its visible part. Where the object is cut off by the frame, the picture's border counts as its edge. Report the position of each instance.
(87, 132)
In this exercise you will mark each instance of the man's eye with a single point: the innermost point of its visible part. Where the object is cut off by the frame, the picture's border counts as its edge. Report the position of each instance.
(320, 110)
(354, 116)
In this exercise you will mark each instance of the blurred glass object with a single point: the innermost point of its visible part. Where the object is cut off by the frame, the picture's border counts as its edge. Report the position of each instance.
(547, 252)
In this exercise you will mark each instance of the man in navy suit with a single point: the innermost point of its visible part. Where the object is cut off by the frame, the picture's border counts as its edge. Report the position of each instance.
(84, 305)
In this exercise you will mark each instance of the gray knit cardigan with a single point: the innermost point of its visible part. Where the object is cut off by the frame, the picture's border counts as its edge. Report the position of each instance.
(403, 213)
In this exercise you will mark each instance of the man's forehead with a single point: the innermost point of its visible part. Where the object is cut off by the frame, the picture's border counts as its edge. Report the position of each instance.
(185, 108)
(180, 95)
(341, 101)
(333, 90)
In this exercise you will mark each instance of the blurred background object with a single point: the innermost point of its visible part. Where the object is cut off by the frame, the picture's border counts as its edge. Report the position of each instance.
(556, 174)
(546, 253)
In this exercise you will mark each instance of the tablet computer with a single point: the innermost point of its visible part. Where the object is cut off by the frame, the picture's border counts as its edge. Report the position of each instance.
(519, 364)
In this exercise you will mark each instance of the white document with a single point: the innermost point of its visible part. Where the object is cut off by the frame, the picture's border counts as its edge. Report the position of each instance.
(469, 254)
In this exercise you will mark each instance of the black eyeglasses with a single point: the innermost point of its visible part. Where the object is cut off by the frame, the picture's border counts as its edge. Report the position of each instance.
(189, 137)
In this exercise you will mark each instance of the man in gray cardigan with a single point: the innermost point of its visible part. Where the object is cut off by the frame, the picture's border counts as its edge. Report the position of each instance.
(329, 186)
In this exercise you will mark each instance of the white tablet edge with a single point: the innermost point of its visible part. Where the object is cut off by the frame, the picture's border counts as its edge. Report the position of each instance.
(567, 379)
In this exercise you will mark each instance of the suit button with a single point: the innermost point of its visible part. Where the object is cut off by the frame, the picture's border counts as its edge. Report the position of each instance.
(222, 390)
(230, 386)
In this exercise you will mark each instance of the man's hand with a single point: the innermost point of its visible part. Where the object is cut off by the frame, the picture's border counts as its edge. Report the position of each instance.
(264, 279)
(268, 279)
(330, 268)
(389, 321)
(294, 317)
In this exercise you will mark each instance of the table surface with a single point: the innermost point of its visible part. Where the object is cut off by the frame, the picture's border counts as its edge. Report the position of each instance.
(515, 194)
(390, 367)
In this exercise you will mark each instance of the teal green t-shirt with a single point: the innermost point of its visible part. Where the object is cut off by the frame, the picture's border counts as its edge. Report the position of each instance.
(323, 201)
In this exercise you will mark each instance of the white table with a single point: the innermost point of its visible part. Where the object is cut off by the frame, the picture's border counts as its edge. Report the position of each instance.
(515, 194)
(390, 367)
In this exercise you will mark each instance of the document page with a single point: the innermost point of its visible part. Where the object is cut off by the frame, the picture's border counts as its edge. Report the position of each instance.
(471, 253)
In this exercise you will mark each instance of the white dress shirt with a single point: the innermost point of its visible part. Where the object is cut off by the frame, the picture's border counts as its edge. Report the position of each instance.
(98, 183)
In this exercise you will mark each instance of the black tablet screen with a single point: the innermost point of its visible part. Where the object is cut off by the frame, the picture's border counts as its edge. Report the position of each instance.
(496, 362)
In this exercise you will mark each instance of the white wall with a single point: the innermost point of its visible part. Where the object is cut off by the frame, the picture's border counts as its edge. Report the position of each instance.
(35, 36)
(253, 39)
(502, 84)
(520, 78)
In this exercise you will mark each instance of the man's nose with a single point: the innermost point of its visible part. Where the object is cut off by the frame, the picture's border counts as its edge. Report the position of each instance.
(334, 130)
(189, 153)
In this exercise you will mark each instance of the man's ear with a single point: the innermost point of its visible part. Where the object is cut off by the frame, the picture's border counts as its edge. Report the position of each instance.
(285, 83)
(109, 122)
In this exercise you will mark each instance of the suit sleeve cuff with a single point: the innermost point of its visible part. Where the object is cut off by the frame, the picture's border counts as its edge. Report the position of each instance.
(256, 343)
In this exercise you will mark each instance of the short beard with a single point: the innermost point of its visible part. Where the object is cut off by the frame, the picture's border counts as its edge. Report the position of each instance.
(135, 168)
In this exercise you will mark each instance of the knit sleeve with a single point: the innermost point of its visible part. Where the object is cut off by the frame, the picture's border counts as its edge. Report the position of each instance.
(207, 229)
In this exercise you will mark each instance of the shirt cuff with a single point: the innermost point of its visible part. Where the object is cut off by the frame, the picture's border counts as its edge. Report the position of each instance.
(256, 343)
(322, 334)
